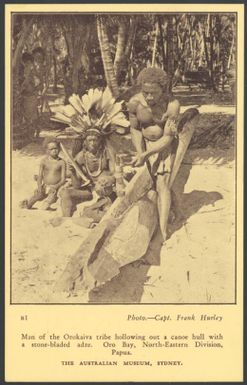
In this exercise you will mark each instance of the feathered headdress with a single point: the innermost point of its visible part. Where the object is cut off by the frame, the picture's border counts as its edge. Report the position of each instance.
(95, 111)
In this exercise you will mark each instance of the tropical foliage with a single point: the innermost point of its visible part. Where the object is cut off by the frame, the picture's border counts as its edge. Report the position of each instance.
(83, 51)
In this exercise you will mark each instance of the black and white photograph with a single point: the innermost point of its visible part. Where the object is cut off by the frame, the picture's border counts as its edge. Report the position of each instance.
(123, 157)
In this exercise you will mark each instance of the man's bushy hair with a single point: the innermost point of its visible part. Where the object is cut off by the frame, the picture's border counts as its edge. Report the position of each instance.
(153, 75)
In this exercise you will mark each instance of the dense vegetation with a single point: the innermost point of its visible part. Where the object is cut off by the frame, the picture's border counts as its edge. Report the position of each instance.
(80, 51)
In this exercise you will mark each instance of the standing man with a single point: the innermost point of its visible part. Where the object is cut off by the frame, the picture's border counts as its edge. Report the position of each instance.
(153, 115)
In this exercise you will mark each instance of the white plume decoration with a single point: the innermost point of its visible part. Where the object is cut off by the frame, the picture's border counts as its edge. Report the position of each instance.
(96, 109)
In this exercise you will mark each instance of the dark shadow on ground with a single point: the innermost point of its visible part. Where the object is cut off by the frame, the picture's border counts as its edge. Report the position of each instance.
(209, 156)
(128, 286)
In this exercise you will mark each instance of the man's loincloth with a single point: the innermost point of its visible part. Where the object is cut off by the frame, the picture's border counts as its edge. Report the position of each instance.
(49, 195)
(161, 163)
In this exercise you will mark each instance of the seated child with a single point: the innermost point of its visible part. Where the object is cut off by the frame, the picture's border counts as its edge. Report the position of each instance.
(51, 177)
(104, 188)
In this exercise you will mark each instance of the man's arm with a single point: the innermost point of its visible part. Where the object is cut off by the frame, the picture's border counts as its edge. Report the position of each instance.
(170, 129)
(137, 140)
(173, 110)
(136, 134)
(159, 146)
(75, 178)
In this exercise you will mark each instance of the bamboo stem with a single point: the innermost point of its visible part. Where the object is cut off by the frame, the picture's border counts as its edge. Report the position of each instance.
(162, 42)
(155, 44)
(231, 50)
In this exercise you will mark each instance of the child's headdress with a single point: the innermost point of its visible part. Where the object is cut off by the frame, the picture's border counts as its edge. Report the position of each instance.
(95, 111)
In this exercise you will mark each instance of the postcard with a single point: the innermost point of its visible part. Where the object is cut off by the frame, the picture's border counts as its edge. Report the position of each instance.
(124, 192)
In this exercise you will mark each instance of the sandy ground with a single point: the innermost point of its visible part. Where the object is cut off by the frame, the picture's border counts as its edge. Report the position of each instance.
(197, 264)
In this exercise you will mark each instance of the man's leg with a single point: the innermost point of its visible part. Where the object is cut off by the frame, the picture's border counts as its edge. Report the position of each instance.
(164, 202)
(71, 197)
(51, 198)
(37, 196)
(176, 206)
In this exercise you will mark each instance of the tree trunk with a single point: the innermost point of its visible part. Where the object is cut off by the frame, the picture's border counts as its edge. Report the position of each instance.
(155, 44)
(170, 52)
(170, 45)
(21, 42)
(211, 37)
(218, 39)
(55, 73)
(231, 50)
(119, 56)
(206, 49)
(68, 73)
(106, 58)
(17, 99)
(202, 44)
(162, 42)
(131, 35)
(54, 61)
(129, 47)
(75, 77)
(76, 36)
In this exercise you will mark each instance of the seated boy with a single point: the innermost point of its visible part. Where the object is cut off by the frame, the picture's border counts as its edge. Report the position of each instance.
(91, 215)
(51, 177)
(104, 188)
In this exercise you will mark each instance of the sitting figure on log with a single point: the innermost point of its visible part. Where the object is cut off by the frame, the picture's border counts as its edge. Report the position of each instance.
(93, 117)
(95, 161)
(154, 121)
(105, 189)
(51, 177)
